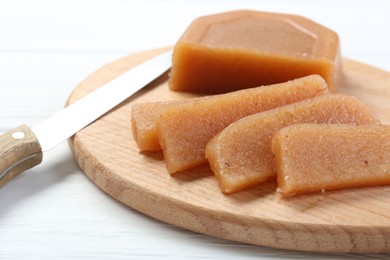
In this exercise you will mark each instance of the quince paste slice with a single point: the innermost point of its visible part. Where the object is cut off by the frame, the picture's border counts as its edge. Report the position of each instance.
(184, 129)
(312, 157)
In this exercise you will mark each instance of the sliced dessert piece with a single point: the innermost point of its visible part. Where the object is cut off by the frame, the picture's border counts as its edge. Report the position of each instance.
(242, 49)
(241, 156)
(184, 129)
(312, 157)
(143, 118)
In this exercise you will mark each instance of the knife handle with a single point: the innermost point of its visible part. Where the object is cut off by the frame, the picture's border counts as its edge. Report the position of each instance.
(19, 151)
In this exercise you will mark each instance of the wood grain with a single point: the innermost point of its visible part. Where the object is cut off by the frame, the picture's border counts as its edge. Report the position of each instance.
(354, 220)
(18, 152)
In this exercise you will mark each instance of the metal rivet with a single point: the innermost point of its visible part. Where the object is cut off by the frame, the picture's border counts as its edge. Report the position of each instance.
(18, 135)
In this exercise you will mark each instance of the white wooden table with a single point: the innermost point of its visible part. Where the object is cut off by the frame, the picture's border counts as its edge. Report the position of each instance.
(47, 47)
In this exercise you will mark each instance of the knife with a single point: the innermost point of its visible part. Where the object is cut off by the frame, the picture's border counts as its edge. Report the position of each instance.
(22, 147)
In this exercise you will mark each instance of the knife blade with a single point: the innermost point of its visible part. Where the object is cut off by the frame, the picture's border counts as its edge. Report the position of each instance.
(22, 147)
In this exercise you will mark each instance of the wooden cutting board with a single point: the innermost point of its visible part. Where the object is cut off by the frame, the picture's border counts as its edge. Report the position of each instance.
(354, 220)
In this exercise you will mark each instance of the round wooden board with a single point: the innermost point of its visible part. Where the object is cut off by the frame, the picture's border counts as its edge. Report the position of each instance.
(354, 220)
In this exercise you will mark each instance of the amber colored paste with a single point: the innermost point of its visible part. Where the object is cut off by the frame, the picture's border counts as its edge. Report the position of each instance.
(313, 157)
(242, 49)
(184, 129)
(143, 123)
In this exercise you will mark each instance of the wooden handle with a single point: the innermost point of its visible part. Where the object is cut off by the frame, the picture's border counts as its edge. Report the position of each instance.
(19, 151)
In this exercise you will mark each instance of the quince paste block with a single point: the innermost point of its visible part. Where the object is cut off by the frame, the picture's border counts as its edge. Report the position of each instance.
(312, 158)
(242, 49)
(183, 130)
(240, 155)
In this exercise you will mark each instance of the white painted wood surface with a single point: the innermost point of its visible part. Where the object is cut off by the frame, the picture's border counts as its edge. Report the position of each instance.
(48, 47)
